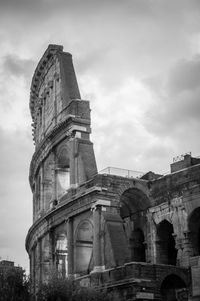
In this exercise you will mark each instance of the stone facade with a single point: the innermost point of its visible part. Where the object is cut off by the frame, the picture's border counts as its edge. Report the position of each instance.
(139, 235)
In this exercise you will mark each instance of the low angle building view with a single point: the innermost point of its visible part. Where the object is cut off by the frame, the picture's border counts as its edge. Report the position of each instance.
(115, 229)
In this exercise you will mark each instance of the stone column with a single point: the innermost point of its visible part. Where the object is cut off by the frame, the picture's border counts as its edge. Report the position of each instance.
(152, 240)
(187, 249)
(32, 269)
(70, 246)
(37, 264)
(42, 189)
(74, 162)
(46, 265)
(97, 250)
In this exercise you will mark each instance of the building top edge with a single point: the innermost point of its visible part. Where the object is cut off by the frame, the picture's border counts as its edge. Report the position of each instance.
(51, 50)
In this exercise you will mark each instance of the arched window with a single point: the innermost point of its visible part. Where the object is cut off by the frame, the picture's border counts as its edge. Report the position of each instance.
(61, 255)
(84, 244)
(62, 173)
(166, 251)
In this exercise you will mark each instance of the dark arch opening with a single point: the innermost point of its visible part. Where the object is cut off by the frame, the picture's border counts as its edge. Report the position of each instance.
(133, 201)
(194, 228)
(166, 251)
(133, 204)
(173, 288)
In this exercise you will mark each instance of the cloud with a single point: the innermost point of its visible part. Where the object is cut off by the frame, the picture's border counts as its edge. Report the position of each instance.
(15, 195)
(15, 78)
(13, 65)
(184, 76)
(175, 112)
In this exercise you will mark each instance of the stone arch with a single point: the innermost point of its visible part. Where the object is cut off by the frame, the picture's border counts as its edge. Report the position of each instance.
(194, 231)
(133, 206)
(133, 200)
(173, 288)
(165, 243)
(62, 171)
(84, 247)
(133, 184)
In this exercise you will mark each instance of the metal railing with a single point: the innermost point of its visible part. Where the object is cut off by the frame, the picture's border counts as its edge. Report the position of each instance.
(122, 172)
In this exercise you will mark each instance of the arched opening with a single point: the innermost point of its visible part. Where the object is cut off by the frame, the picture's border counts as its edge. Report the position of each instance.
(166, 251)
(133, 205)
(61, 255)
(84, 245)
(137, 246)
(62, 173)
(194, 228)
(173, 288)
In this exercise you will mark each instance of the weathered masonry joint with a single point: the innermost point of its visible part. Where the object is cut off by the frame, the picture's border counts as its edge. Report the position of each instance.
(139, 234)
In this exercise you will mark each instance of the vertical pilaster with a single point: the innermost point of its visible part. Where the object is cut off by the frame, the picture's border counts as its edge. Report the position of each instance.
(42, 189)
(186, 249)
(54, 195)
(74, 163)
(46, 257)
(32, 270)
(152, 240)
(37, 265)
(70, 246)
(97, 246)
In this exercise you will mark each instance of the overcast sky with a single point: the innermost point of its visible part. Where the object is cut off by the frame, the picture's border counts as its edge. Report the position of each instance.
(137, 61)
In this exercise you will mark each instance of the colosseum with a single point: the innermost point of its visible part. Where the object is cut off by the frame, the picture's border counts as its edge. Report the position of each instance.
(117, 229)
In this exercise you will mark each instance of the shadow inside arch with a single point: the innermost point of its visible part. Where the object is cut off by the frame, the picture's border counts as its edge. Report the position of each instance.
(173, 288)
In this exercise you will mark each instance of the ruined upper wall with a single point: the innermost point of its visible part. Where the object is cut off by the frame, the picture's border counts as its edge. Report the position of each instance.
(53, 87)
(64, 155)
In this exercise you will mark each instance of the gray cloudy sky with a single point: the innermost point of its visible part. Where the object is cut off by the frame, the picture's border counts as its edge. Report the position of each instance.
(137, 61)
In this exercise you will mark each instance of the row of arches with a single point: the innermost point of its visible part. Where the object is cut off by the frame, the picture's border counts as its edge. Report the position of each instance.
(134, 204)
(172, 288)
(165, 244)
(134, 226)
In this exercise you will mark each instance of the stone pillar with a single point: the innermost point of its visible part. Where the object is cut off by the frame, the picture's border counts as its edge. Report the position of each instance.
(54, 179)
(97, 249)
(74, 162)
(32, 269)
(187, 249)
(46, 262)
(70, 246)
(152, 240)
(37, 264)
(42, 189)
